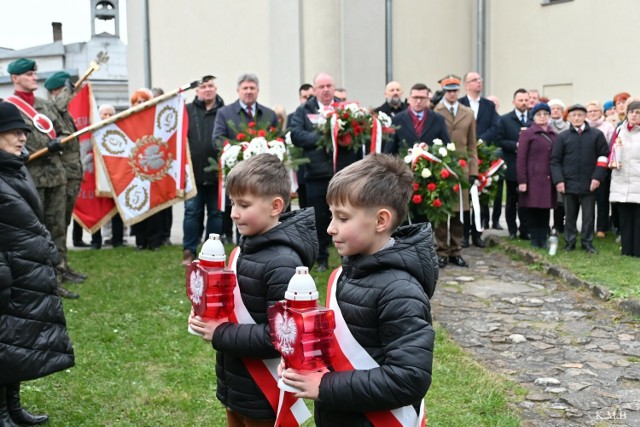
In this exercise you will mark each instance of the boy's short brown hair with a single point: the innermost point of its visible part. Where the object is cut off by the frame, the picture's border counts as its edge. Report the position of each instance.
(378, 180)
(262, 175)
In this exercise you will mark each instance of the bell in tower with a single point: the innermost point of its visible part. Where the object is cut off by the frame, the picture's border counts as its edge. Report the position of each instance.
(105, 18)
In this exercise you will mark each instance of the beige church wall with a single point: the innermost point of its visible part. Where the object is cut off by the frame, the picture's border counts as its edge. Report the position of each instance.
(431, 38)
(575, 50)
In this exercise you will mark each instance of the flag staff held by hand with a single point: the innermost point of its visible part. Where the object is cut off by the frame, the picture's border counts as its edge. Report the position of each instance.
(119, 116)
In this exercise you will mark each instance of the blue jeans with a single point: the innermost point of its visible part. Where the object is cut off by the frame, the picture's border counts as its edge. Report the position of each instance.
(193, 224)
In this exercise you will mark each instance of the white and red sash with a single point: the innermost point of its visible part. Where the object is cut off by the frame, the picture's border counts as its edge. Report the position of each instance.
(41, 122)
(289, 411)
(349, 356)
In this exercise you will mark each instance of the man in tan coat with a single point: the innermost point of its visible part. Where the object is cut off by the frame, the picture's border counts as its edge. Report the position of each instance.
(461, 125)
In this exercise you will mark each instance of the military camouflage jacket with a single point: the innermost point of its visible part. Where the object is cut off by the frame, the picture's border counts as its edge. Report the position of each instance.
(46, 171)
(71, 152)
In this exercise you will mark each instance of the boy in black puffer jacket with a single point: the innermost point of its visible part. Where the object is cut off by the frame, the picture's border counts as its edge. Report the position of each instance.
(272, 246)
(380, 297)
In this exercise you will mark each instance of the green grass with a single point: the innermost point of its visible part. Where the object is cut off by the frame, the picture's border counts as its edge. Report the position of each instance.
(136, 365)
(607, 269)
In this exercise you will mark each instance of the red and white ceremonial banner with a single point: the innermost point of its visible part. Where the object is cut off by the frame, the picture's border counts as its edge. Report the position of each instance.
(350, 355)
(146, 159)
(90, 211)
(290, 411)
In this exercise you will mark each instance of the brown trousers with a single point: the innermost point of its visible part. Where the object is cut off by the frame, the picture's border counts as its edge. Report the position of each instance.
(449, 236)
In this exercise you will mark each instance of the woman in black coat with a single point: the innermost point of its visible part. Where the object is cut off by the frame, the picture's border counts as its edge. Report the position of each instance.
(33, 334)
(537, 192)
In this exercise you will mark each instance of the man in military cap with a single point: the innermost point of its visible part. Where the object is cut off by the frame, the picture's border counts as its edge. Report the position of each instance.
(60, 94)
(47, 171)
(461, 126)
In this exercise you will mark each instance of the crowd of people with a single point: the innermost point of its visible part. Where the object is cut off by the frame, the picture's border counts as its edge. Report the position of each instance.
(558, 158)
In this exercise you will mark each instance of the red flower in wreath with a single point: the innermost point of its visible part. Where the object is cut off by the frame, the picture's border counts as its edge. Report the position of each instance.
(240, 136)
(462, 163)
(444, 174)
(432, 186)
(416, 186)
(436, 203)
(251, 124)
(456, 188)
(417, 199)
(262, 132)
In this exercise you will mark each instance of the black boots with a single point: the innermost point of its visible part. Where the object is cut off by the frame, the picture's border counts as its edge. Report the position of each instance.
(5, 419)
(539, 237)
(18, 414)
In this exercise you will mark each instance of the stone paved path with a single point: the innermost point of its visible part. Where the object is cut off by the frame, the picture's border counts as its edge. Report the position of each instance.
(577, 356)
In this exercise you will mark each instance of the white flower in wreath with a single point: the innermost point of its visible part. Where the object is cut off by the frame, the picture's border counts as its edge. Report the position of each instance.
(341, 124)
(426, 173)
(384, 118)
(451, 146)
(256, 146)
(443, 151)
(353, 107)
(489, 181)
(287, 138)
(496, 178)
(277, 148)
(322, 120)
(437, 141)
(408, 158)
(230, 155)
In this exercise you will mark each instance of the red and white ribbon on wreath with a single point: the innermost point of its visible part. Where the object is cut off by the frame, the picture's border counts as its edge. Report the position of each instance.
(478, 186)
(350, 355)
(290, 411)
(418, 152)
(222, 200)
(376, 138)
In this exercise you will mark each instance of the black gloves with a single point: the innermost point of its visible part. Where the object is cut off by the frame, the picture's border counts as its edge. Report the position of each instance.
(472, 179)
(54, 146)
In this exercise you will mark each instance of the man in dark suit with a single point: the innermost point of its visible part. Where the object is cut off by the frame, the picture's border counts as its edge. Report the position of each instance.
(509, 128)
(487, 118)
(320, 169)
(417, 123)
(234, 118)
(304, 92)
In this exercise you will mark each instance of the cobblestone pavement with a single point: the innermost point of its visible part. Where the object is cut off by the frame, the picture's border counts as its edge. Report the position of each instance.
(577, 356)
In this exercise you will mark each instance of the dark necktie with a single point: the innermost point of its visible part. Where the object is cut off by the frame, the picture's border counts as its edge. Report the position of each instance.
(523, 119)
(453, 112)
(249, 113)
(579, 130)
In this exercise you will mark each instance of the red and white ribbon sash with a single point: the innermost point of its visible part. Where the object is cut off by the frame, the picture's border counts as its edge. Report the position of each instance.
(423, 153)
(350, 355)
(41, 122)
(289, 411)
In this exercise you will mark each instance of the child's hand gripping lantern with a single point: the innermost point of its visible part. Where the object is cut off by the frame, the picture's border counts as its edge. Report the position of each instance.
(209, 284)
(301, 330)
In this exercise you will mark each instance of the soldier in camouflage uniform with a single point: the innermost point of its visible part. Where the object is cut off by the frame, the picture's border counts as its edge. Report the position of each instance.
(60, 94)
(47, 171)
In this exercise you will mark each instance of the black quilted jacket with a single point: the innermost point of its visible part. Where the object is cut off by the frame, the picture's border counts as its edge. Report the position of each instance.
(384, 299)
(266, 264)
(33, 334)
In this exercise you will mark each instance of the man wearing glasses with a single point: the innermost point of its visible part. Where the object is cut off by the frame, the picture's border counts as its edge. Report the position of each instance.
(417, 123)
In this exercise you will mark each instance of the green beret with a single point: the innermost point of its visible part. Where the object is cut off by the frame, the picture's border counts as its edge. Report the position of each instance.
(21, 66)
(56, 80)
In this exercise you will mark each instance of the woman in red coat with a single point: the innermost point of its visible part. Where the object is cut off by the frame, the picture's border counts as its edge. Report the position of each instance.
(537, 193)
